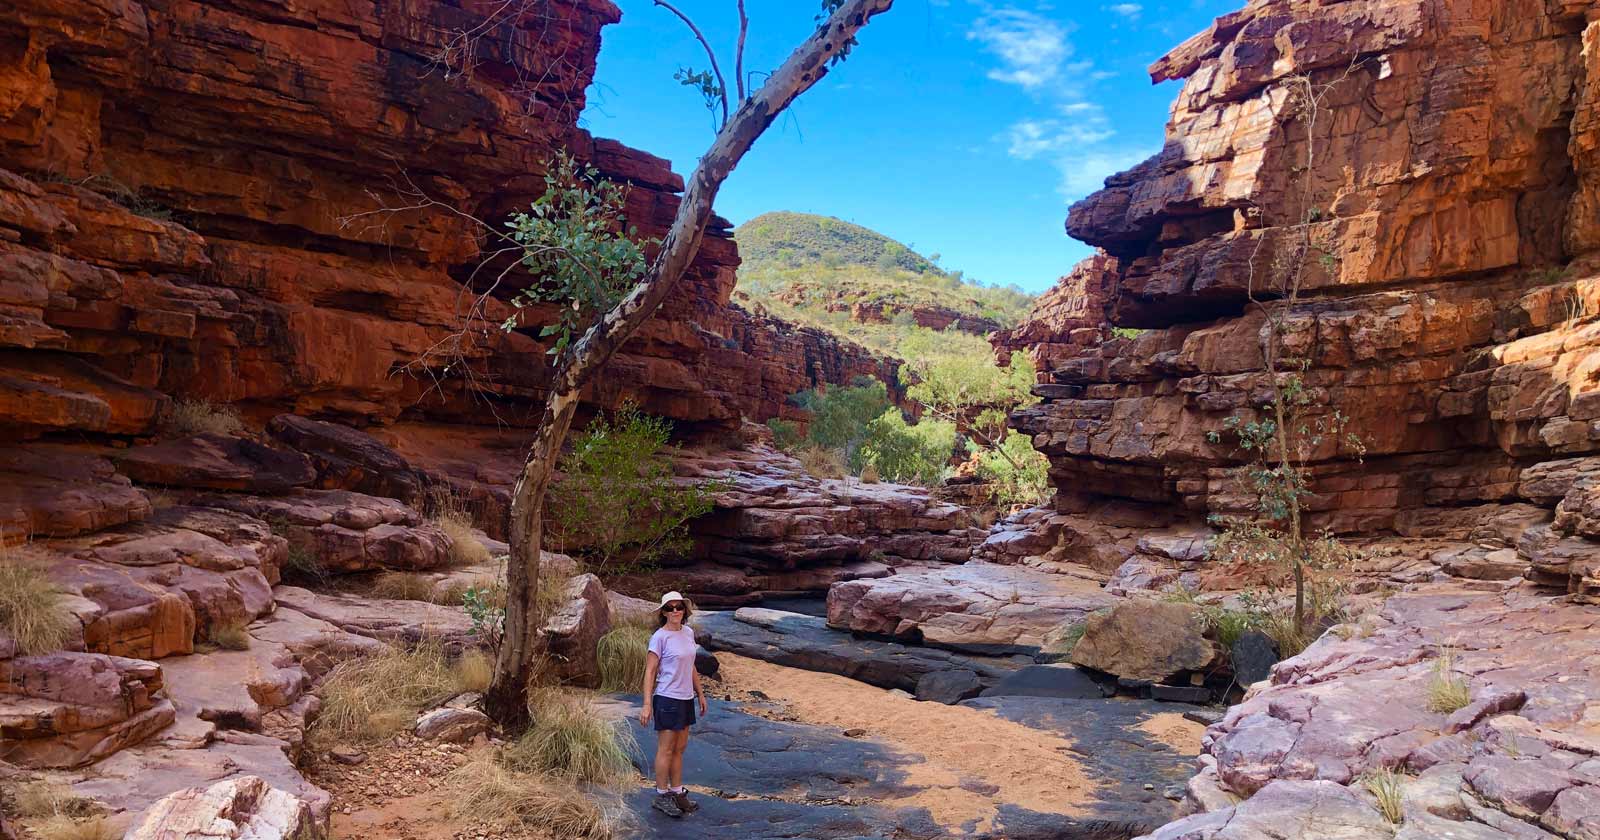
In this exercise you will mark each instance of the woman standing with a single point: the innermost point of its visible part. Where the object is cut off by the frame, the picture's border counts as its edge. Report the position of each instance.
(671, 690)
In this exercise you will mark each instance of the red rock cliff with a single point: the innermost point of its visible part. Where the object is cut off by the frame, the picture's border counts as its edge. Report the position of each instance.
(267, 205)
(1447, 176)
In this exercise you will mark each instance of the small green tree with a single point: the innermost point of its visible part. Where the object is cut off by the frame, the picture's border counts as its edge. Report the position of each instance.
(840, 416)
(1017, 473)
(909, 454)
(617, 504)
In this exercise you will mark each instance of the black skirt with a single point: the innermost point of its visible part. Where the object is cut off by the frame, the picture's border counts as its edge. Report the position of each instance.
(670, 713)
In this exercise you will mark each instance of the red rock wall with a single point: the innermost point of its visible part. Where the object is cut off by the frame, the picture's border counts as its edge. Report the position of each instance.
(1448, 170)
(289, 235)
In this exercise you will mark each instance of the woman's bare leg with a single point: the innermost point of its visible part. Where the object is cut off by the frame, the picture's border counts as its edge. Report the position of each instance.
(679, 746)
(666, 745)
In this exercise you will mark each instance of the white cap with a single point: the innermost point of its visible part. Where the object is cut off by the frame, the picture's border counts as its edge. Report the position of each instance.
(670, 597)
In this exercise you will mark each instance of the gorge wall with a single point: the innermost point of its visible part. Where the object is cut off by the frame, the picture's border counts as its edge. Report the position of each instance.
(271, 206)
(1428, 168)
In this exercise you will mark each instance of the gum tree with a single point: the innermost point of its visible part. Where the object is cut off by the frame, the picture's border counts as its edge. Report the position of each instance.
(583, 349)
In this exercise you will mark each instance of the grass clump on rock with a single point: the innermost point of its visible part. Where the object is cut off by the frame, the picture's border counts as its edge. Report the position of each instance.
(32, 612)
(60, 813)
(1387, 787)
(570, 737)
(1447, 691)
(194, 417)
(373, 697)
(622, 654)
(232, 634)
(67, 828)
(489, 792)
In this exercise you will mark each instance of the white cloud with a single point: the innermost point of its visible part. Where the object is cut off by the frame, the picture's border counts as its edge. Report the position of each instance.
(1073, 135)
(1031, 48)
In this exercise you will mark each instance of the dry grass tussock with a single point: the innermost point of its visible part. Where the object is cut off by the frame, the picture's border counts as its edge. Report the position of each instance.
(373, 697)
(411, 586)
(488, 791)
(1447, 690)
(819, 462)
(193, 417)
(474, 671)
(31, 608)
(622, 655)
(67, 828)
(231, 634)
(1388, 787)
(450, 514)
(571, 738)
(50, 799)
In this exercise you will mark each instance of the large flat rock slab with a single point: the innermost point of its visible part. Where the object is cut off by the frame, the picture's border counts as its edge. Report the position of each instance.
(807, 642)
(377, 618)
(978, 606)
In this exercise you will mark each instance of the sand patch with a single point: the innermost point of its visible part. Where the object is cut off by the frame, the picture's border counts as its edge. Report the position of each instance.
(1176, 731)
(968, 761)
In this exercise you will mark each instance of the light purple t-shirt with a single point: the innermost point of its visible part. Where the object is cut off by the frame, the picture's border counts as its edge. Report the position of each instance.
(675, 676)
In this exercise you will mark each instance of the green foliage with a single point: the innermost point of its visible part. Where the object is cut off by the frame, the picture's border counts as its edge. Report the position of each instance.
(703, 83)
(786, 434)
(1126, 332)
(840, 416)
(486, 607)
(579, 248)
(809, 238)
(909, 454)
(616, 504)
(1017, 474)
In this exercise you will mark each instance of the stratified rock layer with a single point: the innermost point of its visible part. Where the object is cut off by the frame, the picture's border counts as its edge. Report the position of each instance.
(1426, 171)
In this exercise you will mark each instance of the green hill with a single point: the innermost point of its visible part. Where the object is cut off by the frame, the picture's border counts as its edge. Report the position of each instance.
(862, 285)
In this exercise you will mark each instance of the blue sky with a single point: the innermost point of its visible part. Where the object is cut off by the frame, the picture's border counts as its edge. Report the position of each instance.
(962, 127)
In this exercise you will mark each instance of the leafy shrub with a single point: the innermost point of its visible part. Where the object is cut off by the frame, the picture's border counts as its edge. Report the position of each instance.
(840, 415)
(616, 504)
(1126, 332)
(786, 434)
(903, 453)
(193, 417)
(32, 611)
(1018, 474)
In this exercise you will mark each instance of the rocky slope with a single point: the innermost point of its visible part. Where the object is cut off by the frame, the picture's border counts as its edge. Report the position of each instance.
(270, 208)
(1424, 167)
(1436, 204)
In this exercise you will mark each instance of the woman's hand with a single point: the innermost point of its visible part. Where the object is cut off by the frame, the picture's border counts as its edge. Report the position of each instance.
(644, 714)
(702, 699)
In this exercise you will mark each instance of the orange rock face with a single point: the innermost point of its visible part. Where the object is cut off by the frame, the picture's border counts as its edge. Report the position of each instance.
(269, 208)
(1425, 169)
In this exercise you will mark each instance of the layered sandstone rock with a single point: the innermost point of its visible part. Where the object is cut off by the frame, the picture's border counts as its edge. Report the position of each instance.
(235, 809)
(1421, 169)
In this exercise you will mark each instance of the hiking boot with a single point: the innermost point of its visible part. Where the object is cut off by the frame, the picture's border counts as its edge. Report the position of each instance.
(667, 803)
(685, 804)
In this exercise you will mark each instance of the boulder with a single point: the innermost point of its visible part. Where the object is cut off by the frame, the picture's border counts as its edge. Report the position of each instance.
(69, 709)
(1298, 809)
(50, 491)
(980, 607)
(339, 531)
(407, 622)
(948, 687)
(349, 459)
(450, 725)
(215, 462)
(1145, 640)
(1253, 654)
(1063, 681)
(572, 633)
(241, 808)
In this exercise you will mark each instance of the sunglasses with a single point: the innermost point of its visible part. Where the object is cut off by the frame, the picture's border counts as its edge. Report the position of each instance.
(673, 608)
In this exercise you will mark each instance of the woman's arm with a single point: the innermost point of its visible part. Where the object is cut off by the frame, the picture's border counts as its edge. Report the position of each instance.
(699, 693)
(651, 663)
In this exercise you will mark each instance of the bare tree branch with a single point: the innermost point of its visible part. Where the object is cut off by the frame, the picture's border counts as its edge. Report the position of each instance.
(711, 54)
(738, 54)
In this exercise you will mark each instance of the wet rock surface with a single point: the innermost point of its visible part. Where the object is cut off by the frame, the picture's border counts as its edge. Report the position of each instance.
(807, 642)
